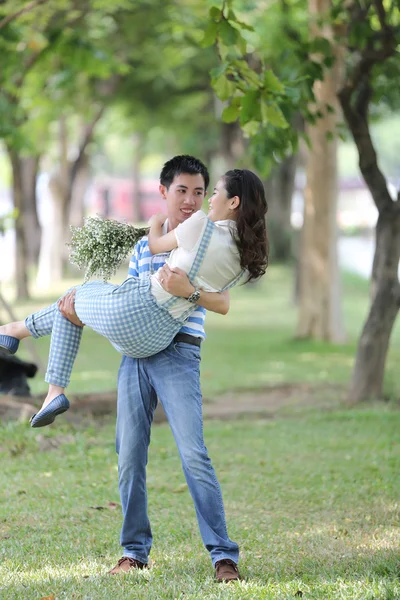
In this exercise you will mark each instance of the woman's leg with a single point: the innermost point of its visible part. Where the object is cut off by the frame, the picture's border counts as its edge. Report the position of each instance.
(16, 329)
(64, 346)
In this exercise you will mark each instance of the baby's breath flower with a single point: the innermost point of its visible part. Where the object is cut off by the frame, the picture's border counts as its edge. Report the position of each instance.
(101, 245)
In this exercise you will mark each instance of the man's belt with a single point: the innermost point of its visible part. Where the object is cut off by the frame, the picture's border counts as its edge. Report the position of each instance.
(187, 339)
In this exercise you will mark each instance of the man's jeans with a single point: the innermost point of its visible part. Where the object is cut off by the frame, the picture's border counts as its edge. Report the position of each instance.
(174, 376)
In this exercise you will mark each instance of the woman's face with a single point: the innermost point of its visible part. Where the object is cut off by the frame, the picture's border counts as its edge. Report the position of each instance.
(220, 206)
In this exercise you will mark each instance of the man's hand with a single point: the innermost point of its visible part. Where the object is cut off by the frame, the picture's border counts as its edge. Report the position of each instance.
(67, 308)
(175, 282)
(157, 219)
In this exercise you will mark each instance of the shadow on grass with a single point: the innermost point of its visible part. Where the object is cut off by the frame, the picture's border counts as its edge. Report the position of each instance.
(302, 572)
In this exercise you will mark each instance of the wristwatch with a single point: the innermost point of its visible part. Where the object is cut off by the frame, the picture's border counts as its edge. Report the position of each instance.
(194, 296)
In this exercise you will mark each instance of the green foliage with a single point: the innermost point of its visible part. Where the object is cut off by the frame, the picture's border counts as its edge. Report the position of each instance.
(54, 67)
(268, 70)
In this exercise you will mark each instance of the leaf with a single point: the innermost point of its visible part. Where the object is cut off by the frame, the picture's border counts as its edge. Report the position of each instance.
(210, 35)
(218, 71)
(251, 128)
(51, 597)
(272, 83)
(250, 107)
(273, 114)
(244, 25)
(242, 44)
(230, 113)
(329, 61)
(232, 17)
(320, 45)
(215, 13)
(223, 87)
(228, 34)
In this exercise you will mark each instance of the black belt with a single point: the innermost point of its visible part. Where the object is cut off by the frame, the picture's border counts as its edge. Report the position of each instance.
(187, 339)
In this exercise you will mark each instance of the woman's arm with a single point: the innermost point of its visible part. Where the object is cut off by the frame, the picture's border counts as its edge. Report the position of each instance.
(176, 282)
(157, 241)
(218, 302)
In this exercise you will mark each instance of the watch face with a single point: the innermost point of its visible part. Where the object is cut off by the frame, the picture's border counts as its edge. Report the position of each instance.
(194, 297)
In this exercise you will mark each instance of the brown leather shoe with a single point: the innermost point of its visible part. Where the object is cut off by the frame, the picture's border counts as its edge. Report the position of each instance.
(125, 564)
(226, 570)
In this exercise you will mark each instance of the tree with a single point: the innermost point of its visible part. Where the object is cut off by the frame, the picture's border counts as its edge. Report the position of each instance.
(367, 36)
(265, 107)
(319, 314)
(371, 32)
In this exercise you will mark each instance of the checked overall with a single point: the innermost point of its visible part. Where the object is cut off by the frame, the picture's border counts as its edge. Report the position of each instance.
(127, 315)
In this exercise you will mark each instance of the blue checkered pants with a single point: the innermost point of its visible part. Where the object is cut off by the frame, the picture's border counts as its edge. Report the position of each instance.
(127, 315)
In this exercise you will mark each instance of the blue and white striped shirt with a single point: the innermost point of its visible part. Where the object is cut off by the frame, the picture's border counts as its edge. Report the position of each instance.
(139, 266)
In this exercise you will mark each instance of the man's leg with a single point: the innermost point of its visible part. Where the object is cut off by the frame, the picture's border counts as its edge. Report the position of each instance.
(176, 376)
(136, 404)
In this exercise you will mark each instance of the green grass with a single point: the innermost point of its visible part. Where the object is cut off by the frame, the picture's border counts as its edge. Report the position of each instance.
(312, 501)
(251, 347)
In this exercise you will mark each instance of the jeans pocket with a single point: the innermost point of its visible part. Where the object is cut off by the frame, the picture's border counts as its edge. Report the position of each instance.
(187, 351)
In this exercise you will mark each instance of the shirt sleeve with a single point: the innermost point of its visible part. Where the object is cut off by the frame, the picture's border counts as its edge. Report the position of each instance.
(190, 231)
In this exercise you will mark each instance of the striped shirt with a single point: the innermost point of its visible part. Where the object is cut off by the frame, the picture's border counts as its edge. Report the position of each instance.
(139, 266)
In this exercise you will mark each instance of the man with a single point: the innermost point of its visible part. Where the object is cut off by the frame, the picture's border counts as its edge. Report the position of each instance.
(172, 376)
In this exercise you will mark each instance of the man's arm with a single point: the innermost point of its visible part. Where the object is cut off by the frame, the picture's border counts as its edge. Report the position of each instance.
(176, 282)
(157, 241)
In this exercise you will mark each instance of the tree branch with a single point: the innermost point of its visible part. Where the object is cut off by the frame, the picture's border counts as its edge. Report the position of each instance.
(23, 10)
(380, 11)
(373, 176)
(85, 141)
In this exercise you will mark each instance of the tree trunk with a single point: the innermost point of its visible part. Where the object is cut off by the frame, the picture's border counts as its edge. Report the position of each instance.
(32, 229)
(369, 369)
(279, 191)
(81, 184)
(21, 255)
(69, 179)
(232, 144)
(137, 140)
(368, 374)
(319, 308)
(52, 246)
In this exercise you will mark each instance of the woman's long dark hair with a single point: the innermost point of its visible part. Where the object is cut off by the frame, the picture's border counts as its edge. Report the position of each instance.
(251, 237)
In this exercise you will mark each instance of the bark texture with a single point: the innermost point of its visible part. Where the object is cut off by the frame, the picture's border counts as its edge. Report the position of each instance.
(21, 254)
(279, 190)
(368, 375)
(319, 286)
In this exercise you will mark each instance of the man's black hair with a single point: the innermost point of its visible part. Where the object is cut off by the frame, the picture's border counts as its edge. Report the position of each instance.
(183, 164)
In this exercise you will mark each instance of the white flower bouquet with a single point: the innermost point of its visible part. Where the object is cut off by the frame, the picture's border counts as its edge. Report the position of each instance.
(101, 245)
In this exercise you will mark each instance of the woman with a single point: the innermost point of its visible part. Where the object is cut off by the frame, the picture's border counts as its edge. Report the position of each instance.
(139, 317)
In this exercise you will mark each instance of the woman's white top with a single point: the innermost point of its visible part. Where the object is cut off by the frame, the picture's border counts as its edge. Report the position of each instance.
(221, 262)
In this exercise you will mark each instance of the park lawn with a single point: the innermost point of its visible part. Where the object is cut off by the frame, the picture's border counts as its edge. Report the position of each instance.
(313, 502)
(251, 347)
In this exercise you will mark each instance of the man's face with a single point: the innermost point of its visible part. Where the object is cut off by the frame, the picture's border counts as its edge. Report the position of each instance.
(184, 197)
